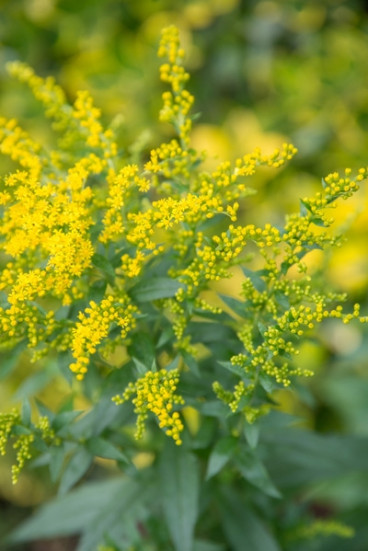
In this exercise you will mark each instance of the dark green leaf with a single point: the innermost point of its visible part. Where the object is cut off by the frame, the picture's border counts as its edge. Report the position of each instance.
(40, 461)
(244, 530)
(71, 513)
(19, 430)
(104, 265)
(165, 336)
(233, 368)
(97, 291)
(282, 300)
(155, 289)
(251, 432)
(140, 367)
(75, 469)
(220, 455)
(304, 208)
(202, 545)
(104, 448)
(215, 408)
(267, 383)
(96, 420)
(143, 349)
(26, 412)
(208, 332)
(9, 360)
(179, 478)
(253, 470)
(237, 306)
(64, 360)
(44, 411)
(57, 456)
(34, 383)
(120, 519)
(297, 456)
(255, 276)
(63, 419)
(191, 362)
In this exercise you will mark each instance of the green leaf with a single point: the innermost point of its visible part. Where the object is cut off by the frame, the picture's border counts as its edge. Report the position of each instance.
(9, 360)
(64, 360)
(268, 383)
(19, 430)
(220, 455)
(304, 208)
(237, 306)
(26, 412)
(202, 545)
(103, 448)
(57, 456)
(191, 362)
(96, 291)
(75, 469)
(96, 420)
(253, 470)
(296, 457)
(244, 530)
(215, 408)
(140, 367)
(142, 349)
(208, 332)
(251, 432)
(44, 411)
(104, 265)
(155, 288)
(65, 419)
(179, 478)
(166, 335)
(255, 276)
(318, 222)
(121, 518)
(34, 383)
(233, 368)
(69, 514)
(282, 300)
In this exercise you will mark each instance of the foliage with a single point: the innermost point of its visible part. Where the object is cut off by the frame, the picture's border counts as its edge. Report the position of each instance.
(110, 269)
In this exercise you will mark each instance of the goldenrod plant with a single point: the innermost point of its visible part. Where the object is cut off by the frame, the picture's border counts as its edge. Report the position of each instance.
(111, 272)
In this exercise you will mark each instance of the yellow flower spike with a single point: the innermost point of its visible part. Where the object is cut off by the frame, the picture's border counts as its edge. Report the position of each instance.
(155, 393)
(93, 327)
(177, 103)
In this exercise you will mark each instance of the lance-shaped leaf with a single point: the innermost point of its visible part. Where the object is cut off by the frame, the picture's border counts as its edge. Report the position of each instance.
(179, 481)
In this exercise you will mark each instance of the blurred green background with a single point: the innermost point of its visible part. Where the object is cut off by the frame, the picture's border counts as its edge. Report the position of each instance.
(263, 72)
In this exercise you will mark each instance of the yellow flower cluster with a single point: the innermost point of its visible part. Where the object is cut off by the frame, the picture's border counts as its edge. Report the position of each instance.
(22, 446)
(142, 227)
(15, 143)
(121, 187)
(93, 327)
(155, 392)
(283, 308)
(7, 422)
(80, 122)
(48, 210)
(177, 103)
(45, 90)
(22, 440)
(82, 219)
(287, 323)
(51, 221)
(328, 527)
(171, 161)
(208, 195)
